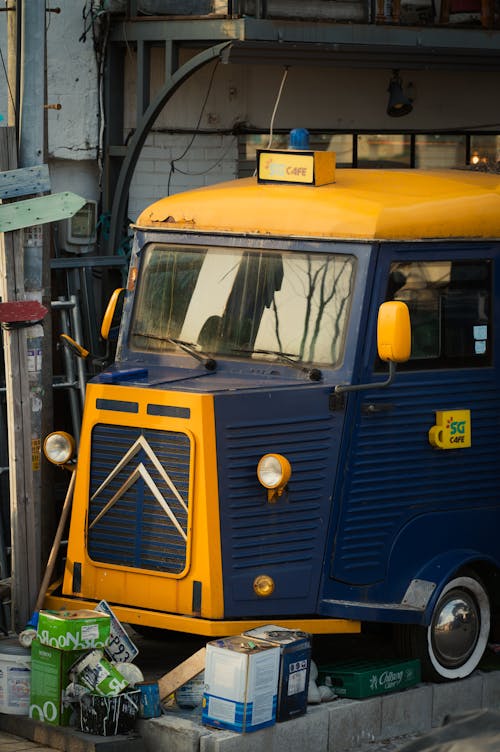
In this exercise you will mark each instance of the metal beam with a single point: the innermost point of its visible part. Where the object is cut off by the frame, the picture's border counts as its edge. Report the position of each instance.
(143, 126)
(362, 56)
(190, 30)
(433, 40)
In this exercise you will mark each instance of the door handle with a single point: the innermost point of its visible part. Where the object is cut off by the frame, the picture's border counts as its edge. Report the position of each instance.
(371, 408)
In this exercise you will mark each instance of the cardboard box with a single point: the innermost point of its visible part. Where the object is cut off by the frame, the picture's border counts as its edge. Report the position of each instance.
(73, 630)
(49, 679)
(241, 684)
(359, 678)
(295, 666)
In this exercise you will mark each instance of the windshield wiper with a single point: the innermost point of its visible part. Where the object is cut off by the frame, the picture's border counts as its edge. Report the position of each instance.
(313, 373)
(193, 349)
(190, 347)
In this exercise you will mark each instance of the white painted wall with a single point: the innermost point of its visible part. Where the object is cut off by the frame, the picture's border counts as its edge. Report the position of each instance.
(210, 159)
(72, 83)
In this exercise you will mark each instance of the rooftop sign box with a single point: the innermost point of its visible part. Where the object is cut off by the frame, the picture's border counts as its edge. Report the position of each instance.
(302, 167)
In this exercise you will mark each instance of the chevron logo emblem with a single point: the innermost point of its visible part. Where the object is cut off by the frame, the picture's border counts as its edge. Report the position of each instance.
(141, 471)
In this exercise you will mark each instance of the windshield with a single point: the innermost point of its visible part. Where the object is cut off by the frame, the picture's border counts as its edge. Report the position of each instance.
(243, 303)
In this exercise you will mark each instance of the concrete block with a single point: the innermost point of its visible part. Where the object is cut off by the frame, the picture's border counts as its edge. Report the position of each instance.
(309, 732)
(229, 741)
(456, 697)
(407, 712)
(66, 738)
(171, 733)
(491, 689)
(353, 722)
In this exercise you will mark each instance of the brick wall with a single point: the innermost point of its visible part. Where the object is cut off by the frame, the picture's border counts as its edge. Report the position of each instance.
(211, 158)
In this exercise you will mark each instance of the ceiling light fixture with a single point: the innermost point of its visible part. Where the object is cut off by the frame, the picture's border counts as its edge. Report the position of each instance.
(399, 104)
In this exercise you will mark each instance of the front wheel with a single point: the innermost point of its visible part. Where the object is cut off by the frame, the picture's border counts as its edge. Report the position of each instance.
(454, 642)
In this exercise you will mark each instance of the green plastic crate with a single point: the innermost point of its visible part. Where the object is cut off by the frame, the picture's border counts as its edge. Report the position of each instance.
(360, 678)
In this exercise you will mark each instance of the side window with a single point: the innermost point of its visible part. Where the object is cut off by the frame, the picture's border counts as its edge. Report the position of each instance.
(449, 304)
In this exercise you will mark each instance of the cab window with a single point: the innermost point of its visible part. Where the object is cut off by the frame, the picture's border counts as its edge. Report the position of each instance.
(450, 311)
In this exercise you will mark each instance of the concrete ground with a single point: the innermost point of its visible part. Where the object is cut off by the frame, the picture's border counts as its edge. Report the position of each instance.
(11, 743)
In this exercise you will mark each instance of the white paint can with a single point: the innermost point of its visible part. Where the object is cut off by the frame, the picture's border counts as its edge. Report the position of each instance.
(15, 678)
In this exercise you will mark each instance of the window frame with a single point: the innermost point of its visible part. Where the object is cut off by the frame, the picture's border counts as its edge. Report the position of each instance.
(443, 361)
(246, 164)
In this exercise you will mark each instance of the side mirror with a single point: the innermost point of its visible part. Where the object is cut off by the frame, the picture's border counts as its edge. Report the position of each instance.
(110, 312)
(394, 332)
(393, 343)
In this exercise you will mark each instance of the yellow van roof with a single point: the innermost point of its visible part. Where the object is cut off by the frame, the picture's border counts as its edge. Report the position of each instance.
(361, 205)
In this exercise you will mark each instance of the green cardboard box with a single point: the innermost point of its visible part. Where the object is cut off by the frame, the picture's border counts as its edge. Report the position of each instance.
(74, 630)
(49, 679)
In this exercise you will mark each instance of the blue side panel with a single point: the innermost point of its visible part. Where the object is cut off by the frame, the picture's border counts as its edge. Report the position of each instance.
(395, 474)
(286, 539)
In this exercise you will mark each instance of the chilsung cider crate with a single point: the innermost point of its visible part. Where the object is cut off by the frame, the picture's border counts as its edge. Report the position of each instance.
(358, 678)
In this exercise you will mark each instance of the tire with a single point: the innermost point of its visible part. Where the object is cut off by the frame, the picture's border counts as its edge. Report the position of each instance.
(450, 653)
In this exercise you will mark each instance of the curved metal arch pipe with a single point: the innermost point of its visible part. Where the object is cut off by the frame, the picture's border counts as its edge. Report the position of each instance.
(136, 143)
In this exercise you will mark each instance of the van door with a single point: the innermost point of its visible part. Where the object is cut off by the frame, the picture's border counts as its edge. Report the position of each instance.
(403, 500)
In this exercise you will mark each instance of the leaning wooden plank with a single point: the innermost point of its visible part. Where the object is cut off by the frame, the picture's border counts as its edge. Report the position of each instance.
(38, 211)
(25, 181)
(181, 673)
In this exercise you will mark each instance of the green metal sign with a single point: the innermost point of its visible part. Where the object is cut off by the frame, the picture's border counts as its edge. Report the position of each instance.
(39, 211)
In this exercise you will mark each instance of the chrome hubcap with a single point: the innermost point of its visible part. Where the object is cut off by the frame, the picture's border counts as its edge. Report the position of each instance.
(455, 628)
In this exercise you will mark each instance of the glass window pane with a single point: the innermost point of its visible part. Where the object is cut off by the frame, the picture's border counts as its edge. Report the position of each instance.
(384, 150)
(340, 143)
(271, 305)
(449, 304)
(436, 151)
(485, 150)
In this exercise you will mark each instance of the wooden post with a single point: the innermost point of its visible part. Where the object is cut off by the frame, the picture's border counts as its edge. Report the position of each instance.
(25, 517)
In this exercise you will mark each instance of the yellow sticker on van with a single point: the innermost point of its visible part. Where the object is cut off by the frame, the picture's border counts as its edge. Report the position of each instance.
(452, 429)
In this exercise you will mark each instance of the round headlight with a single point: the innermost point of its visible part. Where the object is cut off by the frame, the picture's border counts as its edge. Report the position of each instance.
(59, 447)
(273, 470)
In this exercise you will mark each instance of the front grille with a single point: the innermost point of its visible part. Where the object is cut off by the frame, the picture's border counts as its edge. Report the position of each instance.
(139, 490)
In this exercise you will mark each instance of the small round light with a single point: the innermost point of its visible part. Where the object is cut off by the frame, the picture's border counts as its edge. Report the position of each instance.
(273, 470)
(263, 585)
(59, 447)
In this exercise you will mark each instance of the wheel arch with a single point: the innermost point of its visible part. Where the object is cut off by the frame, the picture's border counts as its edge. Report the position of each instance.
(446, 566)
(452, 643)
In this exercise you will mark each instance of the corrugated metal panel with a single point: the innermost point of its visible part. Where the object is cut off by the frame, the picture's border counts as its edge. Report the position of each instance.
(395, 474)
(291, 530)
(137, 530)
